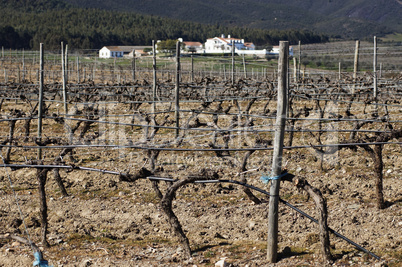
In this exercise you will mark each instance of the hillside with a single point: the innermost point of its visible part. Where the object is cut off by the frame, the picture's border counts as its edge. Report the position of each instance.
(348, 19)
(92, 24)
(25, 24)
(34, 5)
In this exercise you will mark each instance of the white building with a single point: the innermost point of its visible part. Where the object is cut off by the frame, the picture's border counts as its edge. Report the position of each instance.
(122, 51)
(110, 52)
(224, 45)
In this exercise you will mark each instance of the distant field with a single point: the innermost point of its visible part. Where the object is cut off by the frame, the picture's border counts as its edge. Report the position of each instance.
(395, 37)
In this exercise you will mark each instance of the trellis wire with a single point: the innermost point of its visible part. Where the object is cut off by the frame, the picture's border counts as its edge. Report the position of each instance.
(197, 182)
(161, 148)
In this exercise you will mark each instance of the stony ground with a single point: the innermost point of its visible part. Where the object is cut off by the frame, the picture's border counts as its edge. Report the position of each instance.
(105, 222)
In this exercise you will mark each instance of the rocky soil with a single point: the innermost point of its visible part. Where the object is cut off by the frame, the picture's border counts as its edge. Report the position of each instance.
(105, 222)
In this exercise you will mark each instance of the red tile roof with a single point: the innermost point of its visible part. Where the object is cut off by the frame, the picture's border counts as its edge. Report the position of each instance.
(192, 43)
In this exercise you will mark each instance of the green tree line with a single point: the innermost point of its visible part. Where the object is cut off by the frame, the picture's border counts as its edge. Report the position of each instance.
(94, 28)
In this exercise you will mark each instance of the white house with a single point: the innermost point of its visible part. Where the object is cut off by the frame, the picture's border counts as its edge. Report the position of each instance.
(122, 51)
(224, 45)
(110, 52)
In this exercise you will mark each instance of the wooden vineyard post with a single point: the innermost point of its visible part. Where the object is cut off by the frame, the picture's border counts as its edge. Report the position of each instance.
(114, 70)
(154, 77)
(177, 89)
(375, 92)
(380, 74)
(154, 83)
(66, 62)
(23, 65)
(375, 68)
(63, 73)
(272, 245)
(192, 68)
(134, 65)
(40, 106)
(94, 71)
(244, 67)
(299, 64)
(233, 62)
(356, 65)
(78, 69)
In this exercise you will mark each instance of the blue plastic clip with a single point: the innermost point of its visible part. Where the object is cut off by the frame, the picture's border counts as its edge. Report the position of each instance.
(39, 261)
(266, 179)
